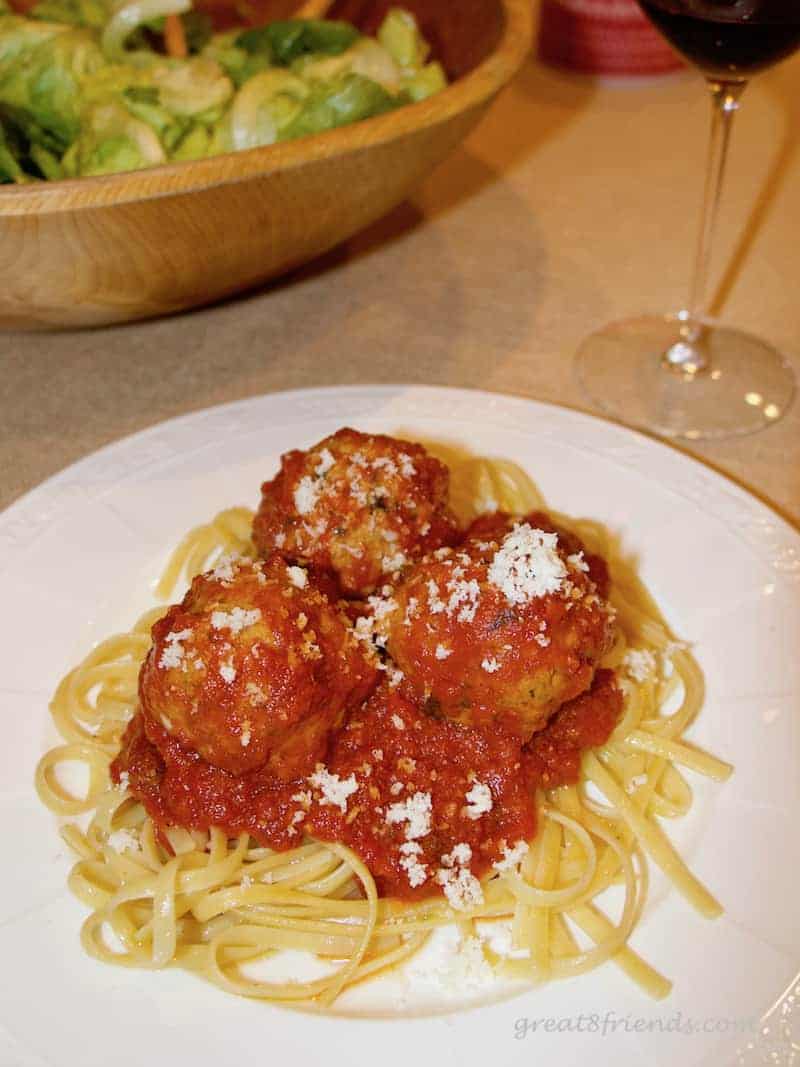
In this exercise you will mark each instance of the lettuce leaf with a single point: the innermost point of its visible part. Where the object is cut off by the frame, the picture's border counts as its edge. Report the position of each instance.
(289, 39)
(426, 82)
(91, 13)
(366, 57)
(111, 141)
(195, 144)
(10, 165)
(399, 34)
(262, 109)
(238, 63)
(348, 98)
(19, 36)
(41, 90)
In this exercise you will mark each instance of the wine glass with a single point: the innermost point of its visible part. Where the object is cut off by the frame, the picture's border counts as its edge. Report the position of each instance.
(686, 375)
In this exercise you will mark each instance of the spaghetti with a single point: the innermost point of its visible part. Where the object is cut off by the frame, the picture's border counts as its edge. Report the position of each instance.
(214, 906)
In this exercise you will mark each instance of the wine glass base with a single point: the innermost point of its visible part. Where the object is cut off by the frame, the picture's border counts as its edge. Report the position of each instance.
(624, 369)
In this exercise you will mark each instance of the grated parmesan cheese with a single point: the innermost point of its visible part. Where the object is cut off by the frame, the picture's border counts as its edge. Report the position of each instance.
(394, 675)
(407, 469)
(297, 576)
(442, 652)
(235, 620)
(459, 966)
(466, 595)
(227, 672)
(256, 693)
(364, 630)
(512, 857)
(303, 797)
(226, 568)
(335, 790)
(306, 495)
(411, 610)
(435, 602)
(417, 872)
(461, 887)
(460, 855)
(326, 461)
(394, 563)
(527, 565)
(639, 664)
(490, 665)
(385, 463)
(415, 812)
(381, 606)
(317, 530)
(469, 968)
(479, 800)
(502, 943)
(358, 492)
(577, 562)
(172, 654)
(124, 841)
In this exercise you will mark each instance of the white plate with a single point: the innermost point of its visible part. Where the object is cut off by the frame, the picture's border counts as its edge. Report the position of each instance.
(79, 557)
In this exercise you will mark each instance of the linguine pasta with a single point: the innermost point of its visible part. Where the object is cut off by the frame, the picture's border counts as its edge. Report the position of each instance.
(214, 906)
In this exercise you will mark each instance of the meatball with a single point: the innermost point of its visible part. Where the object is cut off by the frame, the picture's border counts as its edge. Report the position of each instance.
(358, 506)
(253, 669)
(502, 630)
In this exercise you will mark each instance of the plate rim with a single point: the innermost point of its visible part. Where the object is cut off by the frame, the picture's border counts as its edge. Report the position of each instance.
(387, 389)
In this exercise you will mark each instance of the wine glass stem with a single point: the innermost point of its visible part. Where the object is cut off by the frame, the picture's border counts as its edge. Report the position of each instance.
(688, 356)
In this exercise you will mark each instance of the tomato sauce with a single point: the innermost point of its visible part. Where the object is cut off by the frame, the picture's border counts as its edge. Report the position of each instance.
(396, 753)
(388, 760)
(179, 788)
(553, 757)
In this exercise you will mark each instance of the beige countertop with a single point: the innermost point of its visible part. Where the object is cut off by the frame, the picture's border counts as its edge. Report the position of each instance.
(574, 203)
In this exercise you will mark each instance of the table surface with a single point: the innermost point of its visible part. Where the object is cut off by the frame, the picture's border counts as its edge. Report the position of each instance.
(574, 203)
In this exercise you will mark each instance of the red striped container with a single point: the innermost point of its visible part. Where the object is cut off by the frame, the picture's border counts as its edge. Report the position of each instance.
(610, 37)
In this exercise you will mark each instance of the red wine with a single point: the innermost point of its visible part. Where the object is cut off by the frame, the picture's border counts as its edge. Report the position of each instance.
(729, 39)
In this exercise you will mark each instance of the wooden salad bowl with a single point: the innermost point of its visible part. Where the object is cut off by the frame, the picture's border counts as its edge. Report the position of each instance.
(109, 249)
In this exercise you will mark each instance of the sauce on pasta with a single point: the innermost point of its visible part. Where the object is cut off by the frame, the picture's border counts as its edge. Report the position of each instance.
(393, 752)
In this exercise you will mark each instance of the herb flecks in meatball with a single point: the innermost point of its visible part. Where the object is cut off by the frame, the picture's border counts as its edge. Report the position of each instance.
(253, 669)
(358, 506)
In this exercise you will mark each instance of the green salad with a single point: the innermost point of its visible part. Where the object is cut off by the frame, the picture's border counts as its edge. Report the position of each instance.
(93, 87)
